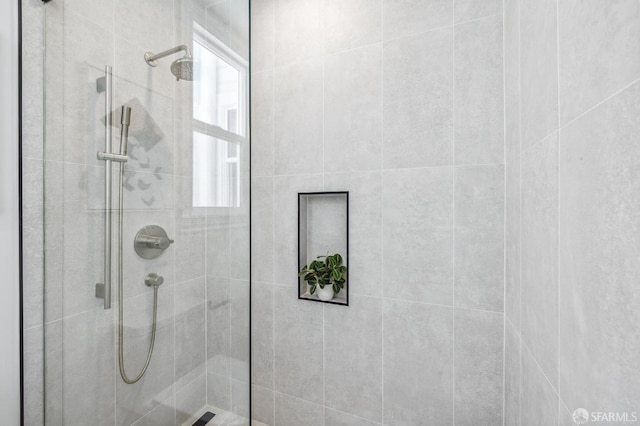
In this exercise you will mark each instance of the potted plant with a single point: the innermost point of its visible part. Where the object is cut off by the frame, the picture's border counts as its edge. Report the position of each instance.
(326, 275)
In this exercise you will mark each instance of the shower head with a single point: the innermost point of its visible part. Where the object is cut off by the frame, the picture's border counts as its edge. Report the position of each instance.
(182, 68)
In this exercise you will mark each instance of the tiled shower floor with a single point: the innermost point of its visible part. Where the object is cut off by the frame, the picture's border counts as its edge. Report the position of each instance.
(222, 418)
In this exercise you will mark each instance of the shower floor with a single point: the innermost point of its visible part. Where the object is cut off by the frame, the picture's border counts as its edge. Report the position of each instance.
(222, 418)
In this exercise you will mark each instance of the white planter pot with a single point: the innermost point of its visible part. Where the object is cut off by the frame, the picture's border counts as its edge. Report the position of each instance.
(325, 294)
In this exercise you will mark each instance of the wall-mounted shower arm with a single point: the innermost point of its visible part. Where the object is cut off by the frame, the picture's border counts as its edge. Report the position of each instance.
(181, 68)
(152, 59)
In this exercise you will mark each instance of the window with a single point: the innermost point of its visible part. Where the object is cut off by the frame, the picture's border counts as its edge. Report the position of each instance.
(219, 121)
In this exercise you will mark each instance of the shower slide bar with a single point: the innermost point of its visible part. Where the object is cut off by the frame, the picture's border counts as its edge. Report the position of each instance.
(105, 84)
(103, 290)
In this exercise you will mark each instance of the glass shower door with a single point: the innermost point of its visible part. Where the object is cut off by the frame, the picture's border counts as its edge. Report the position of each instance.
(146, 204)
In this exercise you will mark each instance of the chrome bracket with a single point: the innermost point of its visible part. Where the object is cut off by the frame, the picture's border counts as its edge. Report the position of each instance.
(100, 290)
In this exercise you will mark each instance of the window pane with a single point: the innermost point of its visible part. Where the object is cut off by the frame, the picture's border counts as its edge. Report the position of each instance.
(216, 90)
(216, 180)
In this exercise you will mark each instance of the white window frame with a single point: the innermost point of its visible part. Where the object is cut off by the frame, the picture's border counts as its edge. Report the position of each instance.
(224, 52)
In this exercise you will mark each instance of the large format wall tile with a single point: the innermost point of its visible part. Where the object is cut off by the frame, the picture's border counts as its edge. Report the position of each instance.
(262, 405)
(298, 118)
(33, 236)
(353, 110)
(479, 100)
(35, 50)
(285, 211)
(262, 255)
(295, 412)
(597, 58)
(240, 398)
(151, 32)
(512, 243)
(88, 355)
(190, 249)
(539, 402)
(512, 376)
(539, 286)
(262, 335)
(479, 351)
(338, 418)
(298, 343)
(600, 257)
(33, 360)
(418, 235)
(190, 331)
(262, 114)
(298, 30)
(240, 349)
(511, 59)
(479, 237)
(351, 24)
(408, 367)
(353, 384)
(418, 100)
(218, 327)
(157, 384)
(365, 228)
(403, 18)
(467, 10)
(538, 70)
(218, 245)
(262, 34)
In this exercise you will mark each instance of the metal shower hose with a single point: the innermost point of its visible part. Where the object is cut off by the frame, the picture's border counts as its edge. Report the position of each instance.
(123, 372)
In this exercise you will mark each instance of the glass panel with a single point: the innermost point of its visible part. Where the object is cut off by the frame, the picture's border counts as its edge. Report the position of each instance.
(184, 293)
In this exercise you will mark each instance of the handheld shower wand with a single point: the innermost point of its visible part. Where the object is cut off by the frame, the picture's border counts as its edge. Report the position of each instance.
(125, 121)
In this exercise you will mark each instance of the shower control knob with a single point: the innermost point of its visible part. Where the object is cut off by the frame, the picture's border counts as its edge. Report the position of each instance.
(153, 280)
(157, 242)
(151, 241)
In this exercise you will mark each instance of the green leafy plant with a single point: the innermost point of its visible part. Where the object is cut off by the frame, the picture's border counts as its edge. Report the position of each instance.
(326, 270)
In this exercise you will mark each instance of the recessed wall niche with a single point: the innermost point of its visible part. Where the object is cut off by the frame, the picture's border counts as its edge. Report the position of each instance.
(323, 230)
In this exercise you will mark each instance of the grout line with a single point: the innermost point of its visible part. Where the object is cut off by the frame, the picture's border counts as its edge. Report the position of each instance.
(504, 214)
(480, 18)
(395, 299)
(519, 210)
(558, 145)
(273, 215)
(453, 213)
(324, 367)
(391, 169)
(524, 345)
(382, 304)
(324, 167)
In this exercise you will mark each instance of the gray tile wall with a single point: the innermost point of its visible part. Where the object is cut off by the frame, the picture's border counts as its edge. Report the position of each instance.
(571, 90)
(400, 103)
(201, 351)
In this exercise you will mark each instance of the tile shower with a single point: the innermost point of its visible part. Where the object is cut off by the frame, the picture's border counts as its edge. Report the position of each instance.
(401, 104)
(489, 151)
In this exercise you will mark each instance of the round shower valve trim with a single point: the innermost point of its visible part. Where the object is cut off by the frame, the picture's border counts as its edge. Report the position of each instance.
(151, 241)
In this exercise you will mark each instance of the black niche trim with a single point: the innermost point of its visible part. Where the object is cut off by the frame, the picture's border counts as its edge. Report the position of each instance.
(344, 194)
